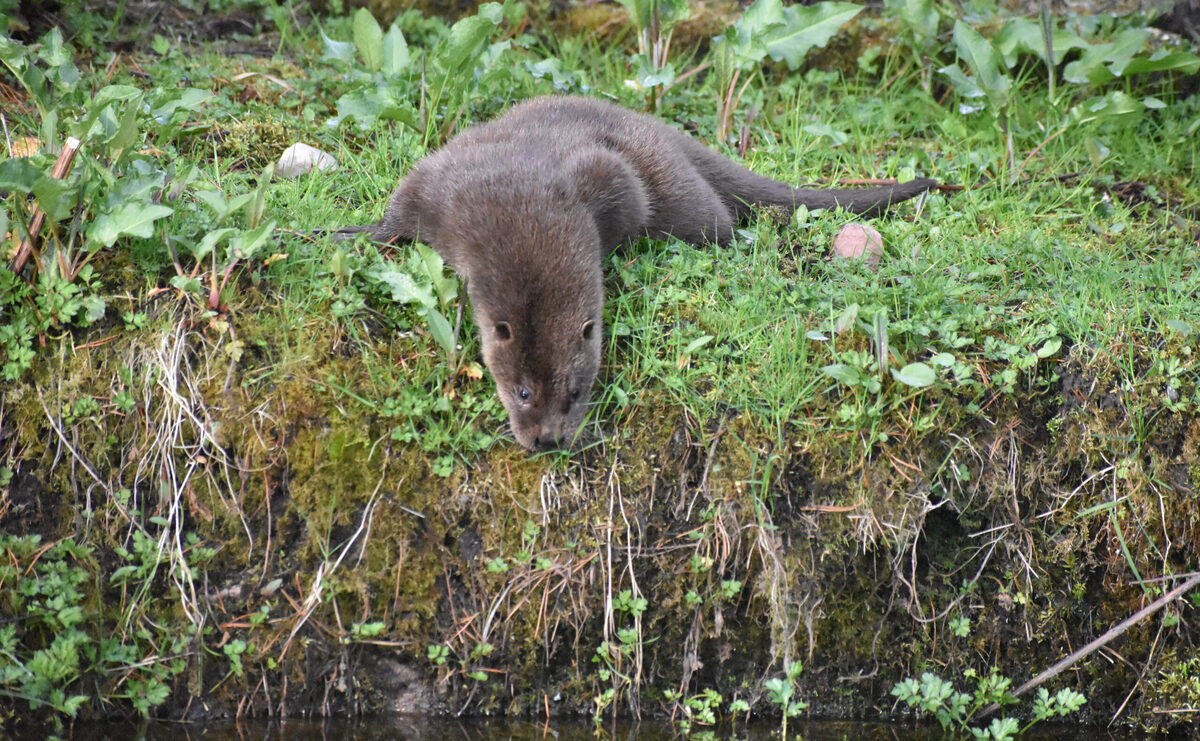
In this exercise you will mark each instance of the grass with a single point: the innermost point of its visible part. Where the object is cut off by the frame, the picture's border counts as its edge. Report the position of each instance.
(302, 458)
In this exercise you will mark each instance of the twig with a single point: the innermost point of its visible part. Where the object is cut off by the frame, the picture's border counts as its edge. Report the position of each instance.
(61, 167)
(7, 139)
(1037, 149)
(1108, 635)
(693, 71)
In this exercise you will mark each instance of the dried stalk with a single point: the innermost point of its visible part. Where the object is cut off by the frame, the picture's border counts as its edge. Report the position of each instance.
(61, 167)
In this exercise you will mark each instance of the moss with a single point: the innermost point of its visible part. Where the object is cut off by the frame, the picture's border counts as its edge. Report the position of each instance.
(252, 143)
(750, 544)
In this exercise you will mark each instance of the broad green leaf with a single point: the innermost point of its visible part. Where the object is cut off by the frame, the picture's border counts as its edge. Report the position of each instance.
(1024, 35)
(401, 111)
(746, 41)
(836, 138)
(404, 289)
(243, 246)
(13, 54)
(646, 14)
(446, 288)
(215, 200)
(61, 69)
(1050, 347)
(111, 94)
(494, 12)
(359, 105)
(18, 174)
(1116, 103)
(920, 19)
(1181, 327)
(184, 283)
(257, 205)
(1096, 151)
(671, 12)
(221, 206)
(489, 59)
(984, 62)
(368, 39)
(697, 343)
(341, 51)
(468, 35)
(648, 78)
(917, 375)
(133, 219)
(1128, 44)
(552, 68)
(846, 319)
(56, 197)
(188, 99)
(440, 328)
(515, 11)
(52, 51)
(639, 12)
(127, 130)
(93, 307)
(1019, 35)
(963, 85)
(395, 52)
(99, 104)
(210, 240)
(131, 188)
(368, 106)
(761, 17)
(1101, 62)
(806, 27)
(1160, 61)
(847, 374)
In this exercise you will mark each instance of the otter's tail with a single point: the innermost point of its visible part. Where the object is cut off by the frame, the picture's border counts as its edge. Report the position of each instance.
(742, 189)
(871, 201)
(384, 232)
(341, 234)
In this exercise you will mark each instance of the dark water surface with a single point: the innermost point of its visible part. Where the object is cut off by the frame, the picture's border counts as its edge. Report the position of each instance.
(475, 729)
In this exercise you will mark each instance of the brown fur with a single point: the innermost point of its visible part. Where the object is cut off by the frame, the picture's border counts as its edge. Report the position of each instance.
(525, 207)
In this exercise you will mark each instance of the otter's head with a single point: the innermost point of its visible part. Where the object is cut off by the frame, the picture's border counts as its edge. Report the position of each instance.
(537, 303)
(544, 369)
(531, 244)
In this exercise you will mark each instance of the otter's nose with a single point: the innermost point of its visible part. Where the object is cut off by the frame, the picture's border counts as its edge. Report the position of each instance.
(547, 440)
(545, 443)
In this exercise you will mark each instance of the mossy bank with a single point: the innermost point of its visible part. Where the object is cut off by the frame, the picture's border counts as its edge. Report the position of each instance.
(261, 473)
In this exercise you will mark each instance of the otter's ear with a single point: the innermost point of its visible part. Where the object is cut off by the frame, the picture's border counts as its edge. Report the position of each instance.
(588, 330)
(614, 194)
(503, 331)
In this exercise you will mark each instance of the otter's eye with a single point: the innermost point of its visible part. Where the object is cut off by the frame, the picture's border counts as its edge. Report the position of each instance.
(523, 393)
(575, 394)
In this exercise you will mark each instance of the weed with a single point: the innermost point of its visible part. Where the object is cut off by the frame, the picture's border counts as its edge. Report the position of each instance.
(782, 692)
(60, 655)
(937, 698)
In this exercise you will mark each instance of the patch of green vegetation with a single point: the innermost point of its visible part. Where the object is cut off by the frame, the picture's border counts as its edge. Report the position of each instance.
(265, 461)
(936, 697)
(59, 656)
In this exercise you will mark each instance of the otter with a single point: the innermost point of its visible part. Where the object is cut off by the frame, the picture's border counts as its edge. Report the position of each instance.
(525, 207)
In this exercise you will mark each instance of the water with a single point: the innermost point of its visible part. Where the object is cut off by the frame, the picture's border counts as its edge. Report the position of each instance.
(477, 729)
